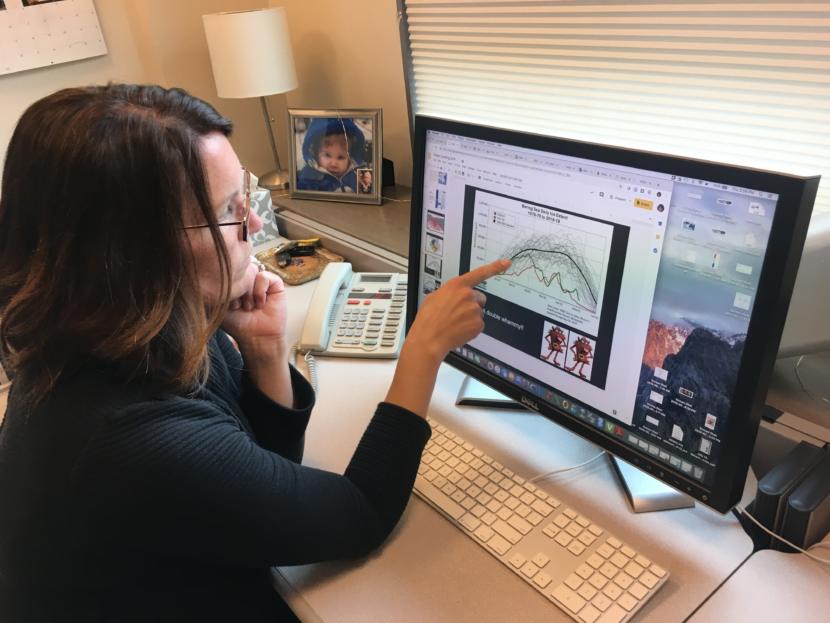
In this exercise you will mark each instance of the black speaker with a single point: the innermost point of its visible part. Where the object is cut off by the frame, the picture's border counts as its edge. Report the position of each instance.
(388, 173)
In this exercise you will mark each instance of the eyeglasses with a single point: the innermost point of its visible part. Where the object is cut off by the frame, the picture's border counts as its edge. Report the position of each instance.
(236, 213)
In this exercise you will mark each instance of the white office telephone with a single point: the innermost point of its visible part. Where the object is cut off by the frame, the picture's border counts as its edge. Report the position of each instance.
(355, 314)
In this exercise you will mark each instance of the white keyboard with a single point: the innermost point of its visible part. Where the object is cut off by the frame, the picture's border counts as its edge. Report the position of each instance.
(579, 566)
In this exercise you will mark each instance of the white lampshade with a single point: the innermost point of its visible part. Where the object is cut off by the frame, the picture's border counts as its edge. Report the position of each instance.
(250, 52)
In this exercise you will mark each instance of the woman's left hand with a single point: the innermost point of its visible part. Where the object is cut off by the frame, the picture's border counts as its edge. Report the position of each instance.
(257, 319)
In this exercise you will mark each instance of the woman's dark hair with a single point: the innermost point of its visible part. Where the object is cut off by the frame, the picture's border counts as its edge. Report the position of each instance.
(94, 266)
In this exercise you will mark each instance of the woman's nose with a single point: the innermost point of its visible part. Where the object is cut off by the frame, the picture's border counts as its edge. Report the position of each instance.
(254, 222)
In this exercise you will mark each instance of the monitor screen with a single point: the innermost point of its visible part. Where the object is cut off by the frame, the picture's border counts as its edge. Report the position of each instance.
(645, 299)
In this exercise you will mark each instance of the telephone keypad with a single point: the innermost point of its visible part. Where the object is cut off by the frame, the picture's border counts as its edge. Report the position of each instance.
(371, 319)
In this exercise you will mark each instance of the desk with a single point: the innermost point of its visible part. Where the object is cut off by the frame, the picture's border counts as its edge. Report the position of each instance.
(372, 237)
(429, 571)
(772, 587)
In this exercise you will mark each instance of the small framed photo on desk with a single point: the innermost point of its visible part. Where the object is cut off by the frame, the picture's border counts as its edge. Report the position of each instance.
(335, 154)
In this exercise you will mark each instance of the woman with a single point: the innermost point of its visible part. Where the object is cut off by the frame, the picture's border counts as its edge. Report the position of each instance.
(149, 470)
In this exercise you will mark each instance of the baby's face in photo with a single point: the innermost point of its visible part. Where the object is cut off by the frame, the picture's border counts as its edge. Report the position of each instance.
(334, 155)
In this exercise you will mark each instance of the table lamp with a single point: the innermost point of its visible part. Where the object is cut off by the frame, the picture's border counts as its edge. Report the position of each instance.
(250, 53)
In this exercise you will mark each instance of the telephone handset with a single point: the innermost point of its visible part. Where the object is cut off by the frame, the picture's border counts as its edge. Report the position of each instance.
(355, 314)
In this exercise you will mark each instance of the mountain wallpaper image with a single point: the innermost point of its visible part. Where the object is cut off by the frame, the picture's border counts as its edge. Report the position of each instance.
(705, 364)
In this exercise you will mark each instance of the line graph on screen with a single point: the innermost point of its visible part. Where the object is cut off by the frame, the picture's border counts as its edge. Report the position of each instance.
(559, 261)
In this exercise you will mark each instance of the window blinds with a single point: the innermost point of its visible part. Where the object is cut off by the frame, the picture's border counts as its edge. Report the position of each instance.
(739, 82)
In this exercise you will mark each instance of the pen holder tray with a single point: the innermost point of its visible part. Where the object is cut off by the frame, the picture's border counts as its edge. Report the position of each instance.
(302, 268)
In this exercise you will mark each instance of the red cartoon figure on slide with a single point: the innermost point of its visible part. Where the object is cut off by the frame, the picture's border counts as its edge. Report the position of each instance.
(583, 353)
(555, 338)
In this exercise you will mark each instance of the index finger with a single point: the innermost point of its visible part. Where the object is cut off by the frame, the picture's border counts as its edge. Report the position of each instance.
(476, 276)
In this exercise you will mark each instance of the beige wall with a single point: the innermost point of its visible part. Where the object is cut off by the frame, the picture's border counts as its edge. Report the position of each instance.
(348, 58)
(348, 55)
(159, 41)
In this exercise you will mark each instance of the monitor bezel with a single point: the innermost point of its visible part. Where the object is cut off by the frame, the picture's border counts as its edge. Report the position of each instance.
(787, 234)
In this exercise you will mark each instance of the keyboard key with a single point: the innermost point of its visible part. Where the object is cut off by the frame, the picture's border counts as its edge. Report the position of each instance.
(550, 530)
(634, 570)
(517, 560)
(649, 580)
(470, 522)
(488, 518)
(615, 543)
(573, 581)
(595, 561)
(569, 599)
(608, 570)
(563, 538)
(586, 538)
(520, 524)
(614, 614)
(505, 513)
(605, 550)
(584, 571)
(534, 518)
(612, 591)
(570, 513)
(601, 602)
(527, 497)
(440, 500)
(576, 548)
(627, 602)
(595, 529)
(506, 531)
(642, 561)
(589, 614)
(627, 551)
(540, 560)
(498, 545)
(638, 590)
(542, 579)
(540, 507)
(657, 570)
(561, 521)
(583, 521)
(619, 560)
(529, 570)
(484, 533)
(522, 510)
(598, 581)
(586, 591)
(573, 529)
(623, 580)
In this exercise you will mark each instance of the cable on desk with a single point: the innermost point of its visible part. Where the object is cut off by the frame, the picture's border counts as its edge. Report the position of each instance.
(749, 516)
(310, 365)
(556, 472)
(395, 200)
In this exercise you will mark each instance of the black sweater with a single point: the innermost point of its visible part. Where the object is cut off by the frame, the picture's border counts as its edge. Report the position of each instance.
(121, 503)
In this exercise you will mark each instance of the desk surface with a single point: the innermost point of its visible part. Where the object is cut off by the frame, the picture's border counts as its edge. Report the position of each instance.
(429, 571)
(385, 226)
(769, 584)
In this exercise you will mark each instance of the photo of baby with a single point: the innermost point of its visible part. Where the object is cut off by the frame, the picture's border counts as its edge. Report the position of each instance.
(364, 180)
(334, 153)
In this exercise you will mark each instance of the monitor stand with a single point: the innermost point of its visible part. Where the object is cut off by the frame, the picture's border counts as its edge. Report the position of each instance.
(644, 493)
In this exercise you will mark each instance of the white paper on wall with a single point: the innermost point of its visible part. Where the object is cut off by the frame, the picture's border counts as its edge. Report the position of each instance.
(40, 33)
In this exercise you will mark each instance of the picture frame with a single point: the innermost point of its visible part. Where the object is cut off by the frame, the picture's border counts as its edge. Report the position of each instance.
(335, 154)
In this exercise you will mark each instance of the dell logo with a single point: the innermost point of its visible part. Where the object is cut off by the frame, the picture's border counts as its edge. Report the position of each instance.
(529, 403)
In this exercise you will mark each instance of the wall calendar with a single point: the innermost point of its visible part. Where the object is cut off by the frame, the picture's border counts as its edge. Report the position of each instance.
(40, 33)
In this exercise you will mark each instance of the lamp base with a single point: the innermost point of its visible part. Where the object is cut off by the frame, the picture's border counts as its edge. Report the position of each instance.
(274, 180)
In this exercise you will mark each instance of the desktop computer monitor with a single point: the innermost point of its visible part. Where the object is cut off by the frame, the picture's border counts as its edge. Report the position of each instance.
(646, 297)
